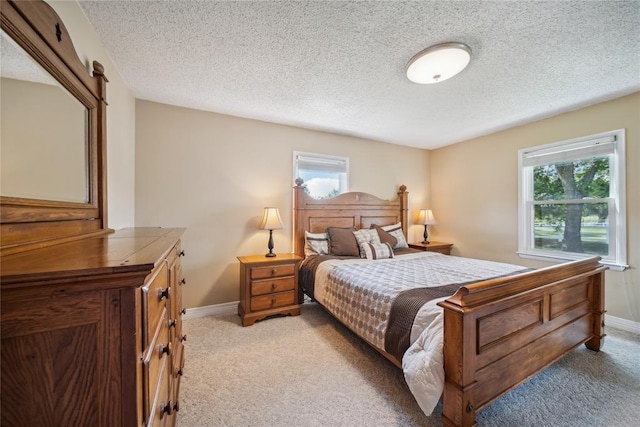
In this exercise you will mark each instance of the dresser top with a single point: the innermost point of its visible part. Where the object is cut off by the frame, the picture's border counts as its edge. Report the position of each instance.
(126, 250)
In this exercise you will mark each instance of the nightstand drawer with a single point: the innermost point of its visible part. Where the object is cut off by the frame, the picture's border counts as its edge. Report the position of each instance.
(272, 271)
(443, 248)
(444, 251)
(260, 287)
(266, 302)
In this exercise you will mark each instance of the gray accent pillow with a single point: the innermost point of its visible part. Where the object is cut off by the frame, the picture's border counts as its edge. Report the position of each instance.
(342, 242)
(366, 236)
(316, 244)
(376, 250)
(385, 237)
(396, 231)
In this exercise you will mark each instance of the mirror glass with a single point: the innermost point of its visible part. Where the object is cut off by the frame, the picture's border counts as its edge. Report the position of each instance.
(43, 132)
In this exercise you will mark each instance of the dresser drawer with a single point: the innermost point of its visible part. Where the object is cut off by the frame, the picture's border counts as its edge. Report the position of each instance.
(266, 302)
(272, 271)
(260, 287)
(178, 371)
(162, 405)
(173, 254)
(155, 294)
(155, 359)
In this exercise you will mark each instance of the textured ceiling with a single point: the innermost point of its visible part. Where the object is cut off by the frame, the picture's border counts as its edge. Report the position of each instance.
(340, 66)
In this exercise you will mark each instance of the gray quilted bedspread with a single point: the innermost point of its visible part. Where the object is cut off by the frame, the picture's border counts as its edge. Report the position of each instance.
(361, 294)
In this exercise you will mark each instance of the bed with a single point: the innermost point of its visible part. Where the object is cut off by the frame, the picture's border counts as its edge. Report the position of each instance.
(497, 332)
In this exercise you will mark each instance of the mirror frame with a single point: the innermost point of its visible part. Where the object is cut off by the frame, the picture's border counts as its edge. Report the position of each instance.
(32, 223)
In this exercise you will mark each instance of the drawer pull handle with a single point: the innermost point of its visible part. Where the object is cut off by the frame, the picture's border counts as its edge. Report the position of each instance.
(176, 407)
(183, 281)
(183, 338)
(273, 301)
(181, 253)
(183, 311)
(172, 323)
(273, 271)
(166, 409)
(164, 349)
(163, 293)
(274, 286)
(179, 372)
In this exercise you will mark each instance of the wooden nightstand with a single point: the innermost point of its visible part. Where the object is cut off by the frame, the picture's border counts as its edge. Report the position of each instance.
(443, 248)
(268, 286)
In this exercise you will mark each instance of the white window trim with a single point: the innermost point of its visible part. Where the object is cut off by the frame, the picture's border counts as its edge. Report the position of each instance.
(618, 261)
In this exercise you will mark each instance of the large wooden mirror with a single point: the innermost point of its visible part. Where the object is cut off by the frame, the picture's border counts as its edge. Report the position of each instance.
(53, 182)
(43, 133)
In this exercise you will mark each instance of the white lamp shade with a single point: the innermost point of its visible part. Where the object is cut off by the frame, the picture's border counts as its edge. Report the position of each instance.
(426, 217)
(271, 219)
(438, 63)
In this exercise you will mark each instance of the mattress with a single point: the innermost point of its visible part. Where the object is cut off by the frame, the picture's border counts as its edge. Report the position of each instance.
(365, 294)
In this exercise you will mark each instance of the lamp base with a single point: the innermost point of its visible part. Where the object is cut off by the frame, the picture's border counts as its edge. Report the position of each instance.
(426, 242)
(270, 245)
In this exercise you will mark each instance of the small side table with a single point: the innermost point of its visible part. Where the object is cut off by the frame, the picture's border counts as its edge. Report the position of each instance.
(268, 286)
(443, 248)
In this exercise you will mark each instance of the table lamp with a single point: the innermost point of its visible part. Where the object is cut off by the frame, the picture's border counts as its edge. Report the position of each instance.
(426, 218)
(271, 221)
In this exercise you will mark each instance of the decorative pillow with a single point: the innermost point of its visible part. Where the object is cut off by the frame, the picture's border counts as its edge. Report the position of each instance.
(396, 231)
(366, 236)
(342, 241)
(384, 236)
(316, 244)
(377, 250)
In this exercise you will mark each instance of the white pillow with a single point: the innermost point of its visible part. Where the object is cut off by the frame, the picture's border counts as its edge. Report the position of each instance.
(366, 236)
(396, 231)
(376, 250)
(316, 244)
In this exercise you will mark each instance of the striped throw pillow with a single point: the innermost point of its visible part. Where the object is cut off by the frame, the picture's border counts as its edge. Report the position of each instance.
(377, 250)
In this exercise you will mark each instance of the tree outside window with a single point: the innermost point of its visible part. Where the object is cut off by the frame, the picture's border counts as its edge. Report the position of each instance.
(580, 225)
(571, 199)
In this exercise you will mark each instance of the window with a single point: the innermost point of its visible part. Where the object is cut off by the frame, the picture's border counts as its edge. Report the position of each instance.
(324, 176)
(572, 200)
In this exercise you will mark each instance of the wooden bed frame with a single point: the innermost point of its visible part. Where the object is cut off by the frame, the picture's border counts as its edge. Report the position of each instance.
(497, 333)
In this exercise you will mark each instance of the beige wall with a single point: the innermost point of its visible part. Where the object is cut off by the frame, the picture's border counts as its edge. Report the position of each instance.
(120, 115)
(213, 174)
(474, 191)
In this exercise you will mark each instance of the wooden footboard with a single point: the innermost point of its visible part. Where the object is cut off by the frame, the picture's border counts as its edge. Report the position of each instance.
(499, 333)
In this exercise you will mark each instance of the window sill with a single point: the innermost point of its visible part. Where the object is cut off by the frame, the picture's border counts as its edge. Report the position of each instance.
(558, 259)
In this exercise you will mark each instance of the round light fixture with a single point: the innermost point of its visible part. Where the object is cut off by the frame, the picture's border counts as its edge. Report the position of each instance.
(438, 63)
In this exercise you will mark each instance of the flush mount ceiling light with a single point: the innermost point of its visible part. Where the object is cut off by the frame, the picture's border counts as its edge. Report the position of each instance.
(438, 63)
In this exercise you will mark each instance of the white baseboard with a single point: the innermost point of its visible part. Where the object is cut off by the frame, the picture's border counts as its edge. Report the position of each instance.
(212, 310)
(232, 308)
(624, 324)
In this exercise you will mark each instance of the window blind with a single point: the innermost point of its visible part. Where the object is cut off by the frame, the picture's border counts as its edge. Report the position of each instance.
(587, 149)
(324, 164)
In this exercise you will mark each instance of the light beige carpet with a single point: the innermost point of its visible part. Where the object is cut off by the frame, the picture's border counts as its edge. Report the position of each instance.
(311, 371)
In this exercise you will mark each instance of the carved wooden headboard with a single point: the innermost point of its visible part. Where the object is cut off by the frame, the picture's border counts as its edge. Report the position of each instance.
(354, 209)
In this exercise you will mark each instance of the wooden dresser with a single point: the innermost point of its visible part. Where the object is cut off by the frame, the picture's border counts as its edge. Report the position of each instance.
(92, 331)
